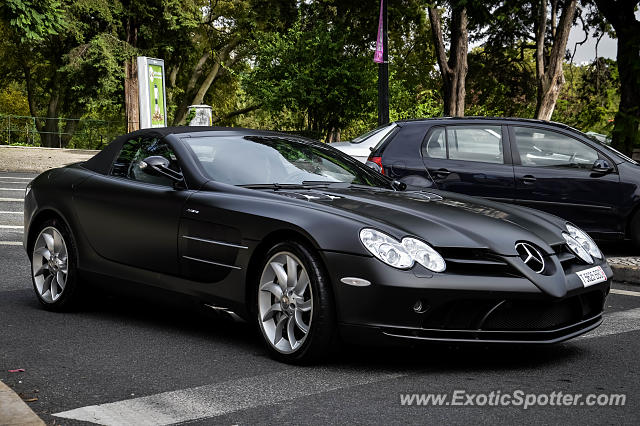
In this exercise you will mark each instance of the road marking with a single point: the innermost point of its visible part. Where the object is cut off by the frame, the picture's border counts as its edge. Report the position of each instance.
(21, 200)
(219, 399)
(12, 189)
(11, 227)
(10, 243)
(223, 398)
(616, 323)
(625, 292)
(11, 212)
(15, 177)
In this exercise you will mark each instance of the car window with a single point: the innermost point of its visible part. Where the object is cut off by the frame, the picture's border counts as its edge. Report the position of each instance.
(436, 144)
(545, 148)
(468, 143)
(475, 143)
(127, 164)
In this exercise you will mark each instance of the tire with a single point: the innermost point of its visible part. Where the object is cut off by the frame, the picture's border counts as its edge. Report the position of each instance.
(290, 308)
(634, 229)
(54, 266)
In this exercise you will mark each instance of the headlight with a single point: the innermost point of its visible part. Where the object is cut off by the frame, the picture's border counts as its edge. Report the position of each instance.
(585, 241)
(401, 255)
(424, 255)
(386, 248)
(575, 247)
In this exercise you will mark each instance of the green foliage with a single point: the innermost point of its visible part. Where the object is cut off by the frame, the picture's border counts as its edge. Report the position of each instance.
(310, 71)
(33, 20)
(501, 82)
(307, 64)
(589, 100)
(13, 100)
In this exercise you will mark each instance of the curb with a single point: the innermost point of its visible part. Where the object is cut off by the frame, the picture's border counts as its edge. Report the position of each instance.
(625, 269)
(14, 410)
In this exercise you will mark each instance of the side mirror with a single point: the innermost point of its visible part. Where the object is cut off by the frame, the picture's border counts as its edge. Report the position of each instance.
(601, 166)
(398, 186)
(157, 165)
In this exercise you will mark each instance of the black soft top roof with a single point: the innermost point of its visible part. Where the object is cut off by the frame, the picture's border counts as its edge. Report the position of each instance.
(101, 162)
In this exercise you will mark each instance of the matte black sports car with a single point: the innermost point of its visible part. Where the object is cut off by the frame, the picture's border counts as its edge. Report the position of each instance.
(308, 244)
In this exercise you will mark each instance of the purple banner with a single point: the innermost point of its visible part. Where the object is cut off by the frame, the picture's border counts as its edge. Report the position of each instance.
(379, 55)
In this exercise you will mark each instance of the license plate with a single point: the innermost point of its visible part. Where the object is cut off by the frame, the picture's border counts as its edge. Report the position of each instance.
(592, 276)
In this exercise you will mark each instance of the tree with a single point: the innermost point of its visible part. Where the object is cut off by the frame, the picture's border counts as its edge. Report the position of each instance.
(313, 72)
(454, 68)
(33, 21)
(621, 15)
(549, 59)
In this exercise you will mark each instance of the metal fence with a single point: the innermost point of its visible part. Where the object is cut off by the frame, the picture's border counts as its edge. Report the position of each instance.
(86, 133)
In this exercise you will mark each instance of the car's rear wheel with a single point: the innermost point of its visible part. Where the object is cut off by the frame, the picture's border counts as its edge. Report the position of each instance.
(53, 263)
(294, 304)
(634, 229)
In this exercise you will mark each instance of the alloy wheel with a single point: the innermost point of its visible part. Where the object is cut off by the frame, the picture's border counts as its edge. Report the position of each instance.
(50, 264)
(285, 305)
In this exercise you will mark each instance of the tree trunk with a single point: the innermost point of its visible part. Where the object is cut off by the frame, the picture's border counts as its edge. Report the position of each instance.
(625, 131)
(198, 97)
(131, 102)
(453, 70)
(550, 73)
(236, 113)
(181, 112)
(50, 133)
(621, 16)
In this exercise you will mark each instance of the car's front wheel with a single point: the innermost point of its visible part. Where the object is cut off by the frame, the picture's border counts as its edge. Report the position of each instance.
(295, 310)
(53, 263)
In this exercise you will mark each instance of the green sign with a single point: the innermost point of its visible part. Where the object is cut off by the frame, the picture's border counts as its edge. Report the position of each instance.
(156, 98)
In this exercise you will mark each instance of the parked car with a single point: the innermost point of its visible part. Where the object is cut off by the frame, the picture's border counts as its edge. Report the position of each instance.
(360, 147)
(539, 164)
(307, 244)
(603, 139)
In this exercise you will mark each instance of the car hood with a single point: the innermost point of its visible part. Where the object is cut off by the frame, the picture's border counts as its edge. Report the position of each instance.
(442, 219)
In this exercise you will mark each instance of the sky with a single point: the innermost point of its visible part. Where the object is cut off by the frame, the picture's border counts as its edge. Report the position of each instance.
(587, 52)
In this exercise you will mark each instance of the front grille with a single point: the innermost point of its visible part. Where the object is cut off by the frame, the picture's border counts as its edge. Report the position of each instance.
(463, 261)
(521, 315)
(566, 257)
(514, 315)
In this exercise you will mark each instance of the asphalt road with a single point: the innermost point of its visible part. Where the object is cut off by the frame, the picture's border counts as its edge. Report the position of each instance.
(131, 360)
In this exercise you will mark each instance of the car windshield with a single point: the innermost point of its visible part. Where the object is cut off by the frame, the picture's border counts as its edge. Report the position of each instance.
(371, 133)
(277, 160)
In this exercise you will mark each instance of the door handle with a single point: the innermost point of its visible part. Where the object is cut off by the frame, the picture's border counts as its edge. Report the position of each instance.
(443, 173)
(528, 179)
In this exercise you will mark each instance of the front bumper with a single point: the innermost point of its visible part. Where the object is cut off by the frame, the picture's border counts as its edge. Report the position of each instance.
(417, 305)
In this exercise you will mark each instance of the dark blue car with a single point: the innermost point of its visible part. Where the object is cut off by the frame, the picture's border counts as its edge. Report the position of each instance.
(539, 164)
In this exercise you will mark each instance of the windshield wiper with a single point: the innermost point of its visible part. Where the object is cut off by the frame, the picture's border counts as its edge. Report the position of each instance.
(329, 184)
(303, 185)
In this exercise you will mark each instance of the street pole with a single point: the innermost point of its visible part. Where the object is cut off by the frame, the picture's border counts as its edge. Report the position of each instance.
(383, 73)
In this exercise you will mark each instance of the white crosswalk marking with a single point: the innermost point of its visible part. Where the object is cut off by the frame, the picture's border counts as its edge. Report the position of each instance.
(16, 178)
(227, 397)
(10, 243)
(625, 292)
(12, 189)
(20, 200)
(222, 398)
(11, 227)
(11, 212)
(616, 323)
